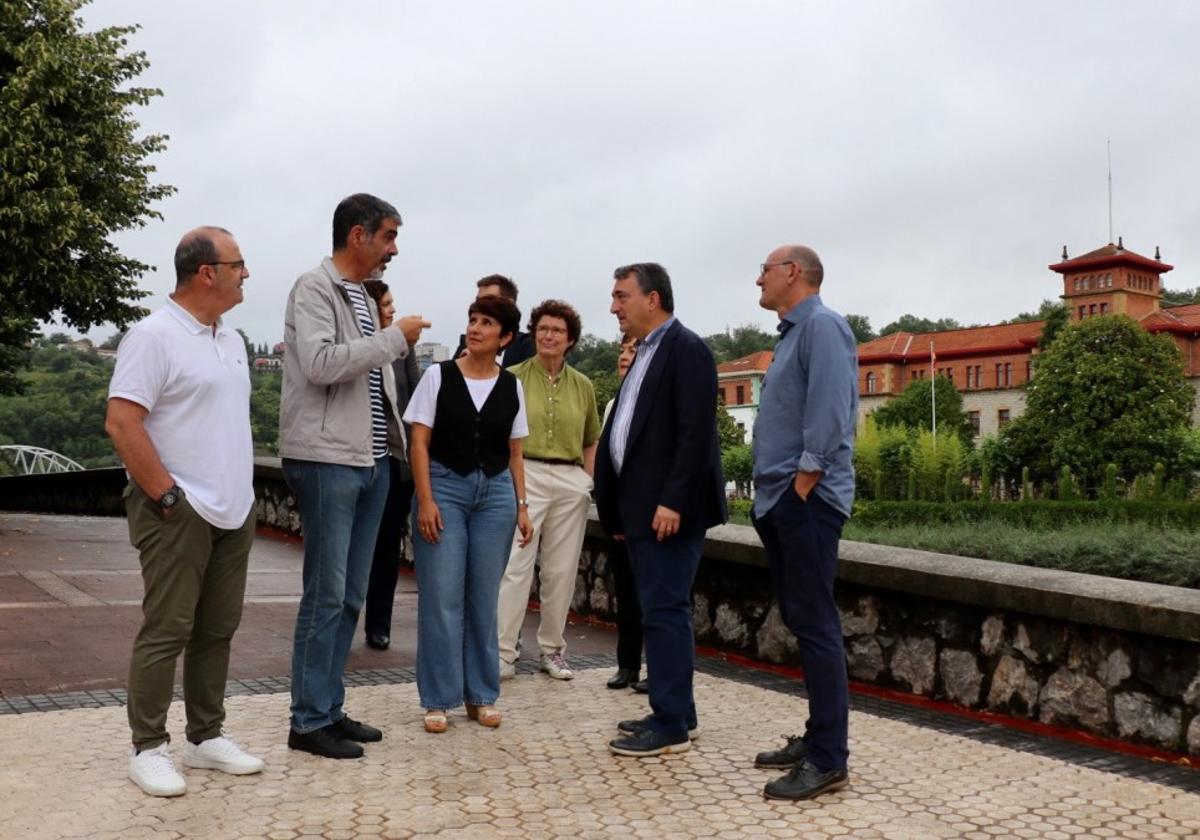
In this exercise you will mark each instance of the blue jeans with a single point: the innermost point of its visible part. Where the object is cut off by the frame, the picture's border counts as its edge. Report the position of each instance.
(801, 540)
(663, 573)
(458, 583)
(340, 509)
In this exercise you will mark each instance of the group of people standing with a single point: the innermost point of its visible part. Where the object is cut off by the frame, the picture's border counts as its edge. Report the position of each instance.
(497, 452)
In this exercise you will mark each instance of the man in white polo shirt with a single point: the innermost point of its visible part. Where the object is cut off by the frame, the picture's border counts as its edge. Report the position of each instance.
(179, 417)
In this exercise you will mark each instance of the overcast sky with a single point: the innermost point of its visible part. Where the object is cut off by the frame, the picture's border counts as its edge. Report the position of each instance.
(938, 155)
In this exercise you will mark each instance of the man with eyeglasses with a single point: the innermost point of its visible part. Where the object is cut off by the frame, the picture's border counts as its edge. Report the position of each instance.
(803, 492)
(179, 418)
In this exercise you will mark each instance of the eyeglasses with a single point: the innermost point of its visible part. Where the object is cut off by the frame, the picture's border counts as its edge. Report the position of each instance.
(548, 330)
(765, 267)
(236, 264)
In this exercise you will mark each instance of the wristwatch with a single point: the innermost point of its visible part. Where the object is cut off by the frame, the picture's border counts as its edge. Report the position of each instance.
(523, 502)
(171, 498)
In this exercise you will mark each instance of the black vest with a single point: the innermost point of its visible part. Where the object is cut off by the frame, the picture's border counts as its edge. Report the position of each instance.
(466, 439)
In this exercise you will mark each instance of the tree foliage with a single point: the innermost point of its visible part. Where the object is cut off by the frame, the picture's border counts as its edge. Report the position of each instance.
(860, 325)
(72, 172)
(913, 409)
(729, 434)
(739, 342)
(1044, 311)
(914, 324)
(1177, 297)
(1105, 391)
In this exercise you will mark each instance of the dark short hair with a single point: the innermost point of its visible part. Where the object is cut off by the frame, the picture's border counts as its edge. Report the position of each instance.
(360, 209)
(376, 289)
(651, 277)
(195, 251)
(557, 309)
(508, 289)
(501, 310)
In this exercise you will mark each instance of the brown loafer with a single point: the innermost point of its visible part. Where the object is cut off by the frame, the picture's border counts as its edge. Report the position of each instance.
(486, 715)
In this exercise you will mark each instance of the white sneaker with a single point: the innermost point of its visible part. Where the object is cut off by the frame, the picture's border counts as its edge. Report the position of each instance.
(508, 670)
(556, 666)
(222, 754)
(154, 772)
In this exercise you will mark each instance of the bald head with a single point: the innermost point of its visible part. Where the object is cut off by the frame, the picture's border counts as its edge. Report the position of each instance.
(790, 274)
(808, 261)
(197, 247)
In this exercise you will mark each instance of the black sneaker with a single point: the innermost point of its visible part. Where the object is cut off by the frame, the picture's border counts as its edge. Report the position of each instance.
(649, 742)
(624, 678)
(378, 641)
(352, 730)
(804, 782)
(324, 742)
(642, 686)
(783, 759)
(638, 725)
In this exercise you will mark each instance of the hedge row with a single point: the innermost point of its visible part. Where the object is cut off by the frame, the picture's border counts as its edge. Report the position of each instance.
(1039, 514)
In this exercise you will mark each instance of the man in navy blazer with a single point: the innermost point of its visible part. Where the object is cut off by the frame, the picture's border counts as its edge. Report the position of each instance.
(659, 487)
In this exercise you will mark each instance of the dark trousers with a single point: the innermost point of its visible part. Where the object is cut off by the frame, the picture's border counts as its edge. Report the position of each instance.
(629, 612)
(801, 540)
(664, 573)
(385, 565)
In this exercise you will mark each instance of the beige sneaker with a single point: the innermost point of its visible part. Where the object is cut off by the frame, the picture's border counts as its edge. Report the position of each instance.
(222, 754)
(556, 666)
(154, 772)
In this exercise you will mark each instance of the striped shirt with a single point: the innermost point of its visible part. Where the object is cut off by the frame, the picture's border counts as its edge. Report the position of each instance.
(379, 434)
(627, 397)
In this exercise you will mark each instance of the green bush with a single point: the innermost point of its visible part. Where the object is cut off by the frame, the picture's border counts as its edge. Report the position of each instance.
(1036, 514)
(739, 510)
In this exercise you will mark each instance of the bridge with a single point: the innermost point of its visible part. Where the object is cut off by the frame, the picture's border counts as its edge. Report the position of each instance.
(34, 460)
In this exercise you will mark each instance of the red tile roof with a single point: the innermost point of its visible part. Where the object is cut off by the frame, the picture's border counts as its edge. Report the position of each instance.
(1109, 255)
(759, 362)
(972, 341)
(1178, 319)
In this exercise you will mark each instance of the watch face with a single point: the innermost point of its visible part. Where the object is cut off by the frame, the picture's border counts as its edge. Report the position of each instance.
(169, 499)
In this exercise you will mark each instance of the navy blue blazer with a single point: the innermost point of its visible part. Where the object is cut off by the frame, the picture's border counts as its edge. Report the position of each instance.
(672, 457)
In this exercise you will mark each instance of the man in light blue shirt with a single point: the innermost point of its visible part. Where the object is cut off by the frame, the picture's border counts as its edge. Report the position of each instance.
(804, 489)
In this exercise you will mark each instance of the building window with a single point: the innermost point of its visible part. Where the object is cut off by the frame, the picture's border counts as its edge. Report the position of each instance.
(741, 394)
(1103, 308)
(999, 370)
(1008, 375)
(872, 382)
(1082, 311)
(1028, 371)
(1091, 309)
(973, 419)
(1002, 417)
(971, 377)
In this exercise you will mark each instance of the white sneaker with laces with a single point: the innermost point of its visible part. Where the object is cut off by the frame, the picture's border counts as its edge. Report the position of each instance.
(222, 754)
(508, 670)
(556, 666)
(154, 772)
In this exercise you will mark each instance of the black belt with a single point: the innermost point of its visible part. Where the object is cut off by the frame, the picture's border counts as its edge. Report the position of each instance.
(573, 463)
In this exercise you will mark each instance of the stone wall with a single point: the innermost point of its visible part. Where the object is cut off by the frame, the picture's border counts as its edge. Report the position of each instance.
(1114, 658)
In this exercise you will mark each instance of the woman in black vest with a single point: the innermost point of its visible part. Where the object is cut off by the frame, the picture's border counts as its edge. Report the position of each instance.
(468, 419)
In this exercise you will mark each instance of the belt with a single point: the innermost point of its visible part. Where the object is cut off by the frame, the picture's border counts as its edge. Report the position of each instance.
(570, 461)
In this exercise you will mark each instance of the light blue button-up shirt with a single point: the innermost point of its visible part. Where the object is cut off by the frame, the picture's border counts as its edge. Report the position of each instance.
(618, 439)
(808, 408)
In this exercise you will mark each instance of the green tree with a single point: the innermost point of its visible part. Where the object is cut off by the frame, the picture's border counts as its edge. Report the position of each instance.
(113, 341)
(72, 173)
(737, 464)
(1105, 391)
(913, 409)
(1047, 308)
(728, 433)
(860, 325)
(1056, 319)
(913, 324)
(606, 384)
(739, 342)
(592, 356)
(1172, 297)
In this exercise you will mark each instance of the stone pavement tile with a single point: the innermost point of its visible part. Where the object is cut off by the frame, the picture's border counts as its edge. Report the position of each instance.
(546, 772)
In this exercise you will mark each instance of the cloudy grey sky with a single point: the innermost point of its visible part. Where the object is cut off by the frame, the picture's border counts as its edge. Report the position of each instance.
(938, 155)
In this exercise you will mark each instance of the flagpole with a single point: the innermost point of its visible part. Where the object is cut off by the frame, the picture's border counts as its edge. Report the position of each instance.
(933, 390)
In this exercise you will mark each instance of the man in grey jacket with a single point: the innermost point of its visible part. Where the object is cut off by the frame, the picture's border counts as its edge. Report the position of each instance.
(337, 427)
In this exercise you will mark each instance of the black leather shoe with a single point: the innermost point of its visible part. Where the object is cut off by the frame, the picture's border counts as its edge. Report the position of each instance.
(783, 759)
(804, 782)
(633, 727)
(642, 686)
(352, 730)
(324, 742)
(624, 678)
(378, 641)
(649, 742)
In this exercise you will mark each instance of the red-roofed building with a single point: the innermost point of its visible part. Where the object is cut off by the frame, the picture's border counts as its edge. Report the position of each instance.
(739, 384)
(990, 364)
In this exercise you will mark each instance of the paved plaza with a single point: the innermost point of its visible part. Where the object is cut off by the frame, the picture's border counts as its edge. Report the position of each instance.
(546, 772)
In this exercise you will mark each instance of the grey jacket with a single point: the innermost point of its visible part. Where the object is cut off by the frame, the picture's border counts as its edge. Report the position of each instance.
(325, 410)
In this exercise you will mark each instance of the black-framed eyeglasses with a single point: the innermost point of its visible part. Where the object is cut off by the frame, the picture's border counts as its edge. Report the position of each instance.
(765, 267)
(238, 264)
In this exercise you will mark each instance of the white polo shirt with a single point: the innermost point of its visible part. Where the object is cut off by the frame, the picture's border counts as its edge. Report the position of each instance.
(196, 386)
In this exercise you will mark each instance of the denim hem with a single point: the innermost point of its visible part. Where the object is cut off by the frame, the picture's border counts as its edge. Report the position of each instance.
(305, 731)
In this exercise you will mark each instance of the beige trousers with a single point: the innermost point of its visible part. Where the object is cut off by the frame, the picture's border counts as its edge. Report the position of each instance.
(558, 507)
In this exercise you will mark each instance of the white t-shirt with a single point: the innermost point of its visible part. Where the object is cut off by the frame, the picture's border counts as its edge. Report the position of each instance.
(196, 386)
(422, 407)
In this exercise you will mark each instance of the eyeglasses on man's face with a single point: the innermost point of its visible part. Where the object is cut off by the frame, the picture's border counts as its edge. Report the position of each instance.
(237, 265)
(765, 267)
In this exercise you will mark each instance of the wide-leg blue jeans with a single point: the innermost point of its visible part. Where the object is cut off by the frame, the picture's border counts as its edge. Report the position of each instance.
(458, 584)
(340, 508)
(801, 540)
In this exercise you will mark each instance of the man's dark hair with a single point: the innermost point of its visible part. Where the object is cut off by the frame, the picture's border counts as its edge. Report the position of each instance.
(360, 209)
(376, 289)
(508, 289)
(651, 277)
(558, 309)
(502, 311)
(194, 251)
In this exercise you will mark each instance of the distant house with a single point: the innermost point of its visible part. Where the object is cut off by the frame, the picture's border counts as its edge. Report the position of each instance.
(739, 384)
(265, 364)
